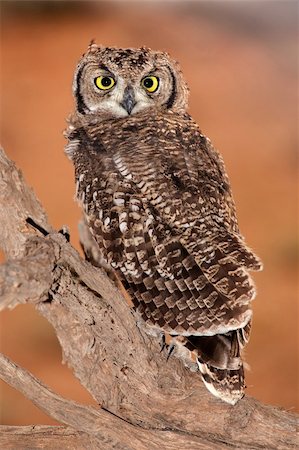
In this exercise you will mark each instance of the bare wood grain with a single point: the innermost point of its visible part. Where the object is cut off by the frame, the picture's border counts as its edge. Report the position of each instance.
(98, 427)
(17, 202)
(41, 436)
(154, 401)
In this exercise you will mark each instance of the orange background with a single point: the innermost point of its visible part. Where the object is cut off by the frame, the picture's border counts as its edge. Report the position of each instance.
(239, 59)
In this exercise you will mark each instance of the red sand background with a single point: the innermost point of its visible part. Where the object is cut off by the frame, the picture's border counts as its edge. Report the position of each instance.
(240, 62)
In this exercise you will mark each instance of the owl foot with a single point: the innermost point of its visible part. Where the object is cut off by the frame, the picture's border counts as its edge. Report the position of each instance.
(153, 332)
(178, 349)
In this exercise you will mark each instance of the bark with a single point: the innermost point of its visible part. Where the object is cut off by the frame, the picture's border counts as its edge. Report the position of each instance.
(145, 401)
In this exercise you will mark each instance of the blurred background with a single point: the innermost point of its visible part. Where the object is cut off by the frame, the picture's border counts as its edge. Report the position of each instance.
(240, 60)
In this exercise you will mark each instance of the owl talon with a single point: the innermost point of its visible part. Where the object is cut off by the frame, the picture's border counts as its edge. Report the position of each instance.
(162, 343)
(38, 227)
(170, 349)
(65, 232)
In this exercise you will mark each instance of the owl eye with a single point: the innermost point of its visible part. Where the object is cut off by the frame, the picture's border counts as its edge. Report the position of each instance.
(151, 83)
(104, 83)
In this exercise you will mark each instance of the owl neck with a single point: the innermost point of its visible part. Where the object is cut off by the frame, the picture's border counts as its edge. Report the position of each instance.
(78, 120)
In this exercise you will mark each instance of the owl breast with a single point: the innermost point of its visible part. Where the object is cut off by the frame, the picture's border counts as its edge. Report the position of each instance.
(158, 159)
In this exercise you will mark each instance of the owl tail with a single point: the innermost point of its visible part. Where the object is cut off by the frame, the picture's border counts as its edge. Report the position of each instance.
(220, 363)
(228, 385)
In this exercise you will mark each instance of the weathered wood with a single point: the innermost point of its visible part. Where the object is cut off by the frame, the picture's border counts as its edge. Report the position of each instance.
(101, 427)
(146, 401)
(41, 436)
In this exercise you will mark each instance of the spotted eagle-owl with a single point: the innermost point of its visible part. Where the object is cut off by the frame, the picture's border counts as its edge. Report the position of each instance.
(158, 202)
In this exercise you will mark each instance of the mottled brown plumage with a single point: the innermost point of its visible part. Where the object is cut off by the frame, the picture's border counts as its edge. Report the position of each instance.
(158, 202)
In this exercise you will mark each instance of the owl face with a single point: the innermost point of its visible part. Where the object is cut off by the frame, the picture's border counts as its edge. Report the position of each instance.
(121, 82)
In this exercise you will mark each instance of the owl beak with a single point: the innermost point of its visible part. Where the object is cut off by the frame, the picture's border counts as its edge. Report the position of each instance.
(128, 101)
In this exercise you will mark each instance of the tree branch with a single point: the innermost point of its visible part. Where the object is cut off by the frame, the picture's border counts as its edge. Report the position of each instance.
(97, 426)
(156, 404)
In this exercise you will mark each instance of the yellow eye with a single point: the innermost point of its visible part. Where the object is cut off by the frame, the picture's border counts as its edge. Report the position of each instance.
(151, 83)
(104, 83)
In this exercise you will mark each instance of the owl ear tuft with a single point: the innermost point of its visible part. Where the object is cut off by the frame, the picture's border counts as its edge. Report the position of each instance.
(92, 48)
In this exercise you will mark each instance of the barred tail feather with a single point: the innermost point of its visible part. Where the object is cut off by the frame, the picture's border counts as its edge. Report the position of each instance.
(228, 385)
(220, 363)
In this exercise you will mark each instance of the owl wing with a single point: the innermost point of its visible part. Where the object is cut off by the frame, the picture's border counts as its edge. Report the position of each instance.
(169, 226)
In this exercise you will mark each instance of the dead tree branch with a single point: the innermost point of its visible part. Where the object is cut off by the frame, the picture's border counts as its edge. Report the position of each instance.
(146, 403)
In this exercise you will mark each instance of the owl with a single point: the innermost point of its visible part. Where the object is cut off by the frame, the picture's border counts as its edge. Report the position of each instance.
(158, 203)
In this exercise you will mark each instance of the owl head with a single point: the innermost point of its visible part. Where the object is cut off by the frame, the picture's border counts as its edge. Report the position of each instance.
(121, 82)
